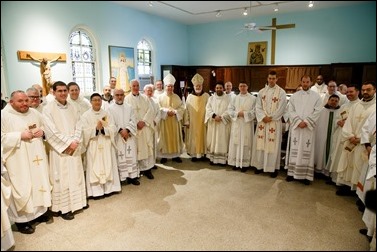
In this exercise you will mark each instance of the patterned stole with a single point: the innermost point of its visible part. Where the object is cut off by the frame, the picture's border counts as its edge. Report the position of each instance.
(266, 132)
(329, 133)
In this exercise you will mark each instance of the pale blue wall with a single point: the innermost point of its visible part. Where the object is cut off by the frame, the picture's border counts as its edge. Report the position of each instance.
(45, 27)
(345, 34)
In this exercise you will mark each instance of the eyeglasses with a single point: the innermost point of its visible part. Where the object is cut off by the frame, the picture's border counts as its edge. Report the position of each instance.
(34, 97)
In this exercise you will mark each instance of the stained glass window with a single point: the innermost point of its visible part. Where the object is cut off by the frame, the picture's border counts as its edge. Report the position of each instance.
(82, 55)
(144, 58)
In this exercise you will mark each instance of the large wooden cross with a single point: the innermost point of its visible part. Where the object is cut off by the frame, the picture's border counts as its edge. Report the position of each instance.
(273, 36)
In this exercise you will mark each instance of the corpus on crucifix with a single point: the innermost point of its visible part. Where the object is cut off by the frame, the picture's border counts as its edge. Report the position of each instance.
(45, 69)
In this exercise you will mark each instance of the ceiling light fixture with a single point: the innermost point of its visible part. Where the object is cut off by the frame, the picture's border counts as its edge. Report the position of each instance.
(150, 3)
(311, 4)
(276, 8)
(245, 12)
(218, 14)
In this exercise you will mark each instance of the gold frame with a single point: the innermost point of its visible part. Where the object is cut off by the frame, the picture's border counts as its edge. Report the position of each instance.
(261, 58)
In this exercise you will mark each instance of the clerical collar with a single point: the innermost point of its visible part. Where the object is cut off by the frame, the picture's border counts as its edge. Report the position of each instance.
(135, 94)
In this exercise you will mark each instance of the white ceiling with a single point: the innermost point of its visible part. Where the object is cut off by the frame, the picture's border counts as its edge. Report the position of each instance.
(198, 12)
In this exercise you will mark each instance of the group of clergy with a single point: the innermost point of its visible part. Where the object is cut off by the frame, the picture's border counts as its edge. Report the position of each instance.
(93, 149)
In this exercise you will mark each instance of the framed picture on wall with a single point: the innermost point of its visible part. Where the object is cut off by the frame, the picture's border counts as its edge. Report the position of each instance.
(257, 53)
(122, 66)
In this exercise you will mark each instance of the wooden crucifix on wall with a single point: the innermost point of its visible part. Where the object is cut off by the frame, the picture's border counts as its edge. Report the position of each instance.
(273, 36)
(45, 60)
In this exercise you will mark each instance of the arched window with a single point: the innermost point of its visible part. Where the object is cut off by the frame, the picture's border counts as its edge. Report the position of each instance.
(144, 58)
(83, 59)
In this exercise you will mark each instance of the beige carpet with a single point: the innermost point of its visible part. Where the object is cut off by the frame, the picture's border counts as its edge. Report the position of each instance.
(195, 206)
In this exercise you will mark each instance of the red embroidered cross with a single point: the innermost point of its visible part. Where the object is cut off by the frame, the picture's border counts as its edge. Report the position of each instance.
(271, 140)
(271, 130)
(261, 127)
(275, 99)
(263, 97)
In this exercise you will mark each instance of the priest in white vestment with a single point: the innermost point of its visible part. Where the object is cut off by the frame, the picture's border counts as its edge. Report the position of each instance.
(324, 133)
(81, 103)
(99, 130)
(64, 135)
(170, 142)
(148, 91)
(125, 139)
(7, 239)
(319, 86)
(144, 121)
(25, 158)
(242, 113)
(354, 155)
(270, 106)
(331, 90)
(34, 99)
(193, 120)
(159, 89)
(367, 179)
(304, 109)
(338, 140)
(218, 126)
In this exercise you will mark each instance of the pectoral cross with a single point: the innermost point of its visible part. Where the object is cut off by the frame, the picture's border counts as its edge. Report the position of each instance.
(37, 160)
(129, 149)
(273, 36)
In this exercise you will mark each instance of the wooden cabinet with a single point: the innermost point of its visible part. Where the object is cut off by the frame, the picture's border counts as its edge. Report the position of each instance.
(256, 76)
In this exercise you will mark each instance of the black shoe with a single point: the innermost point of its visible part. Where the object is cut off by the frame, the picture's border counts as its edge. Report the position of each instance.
(43, 218)
(25, 228)
(194, 159)
(211, 163)
(154, 167)
(256, 171)
(68, 216)
(306, 182)
(86, 207)
(274, 174)
(364, 231)
(244, 169)
(148, 174)
(163, 160)
(330, 182)
(344, 191)
(133, 181)
(177, 159)
(289, 178)
(235, 168)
